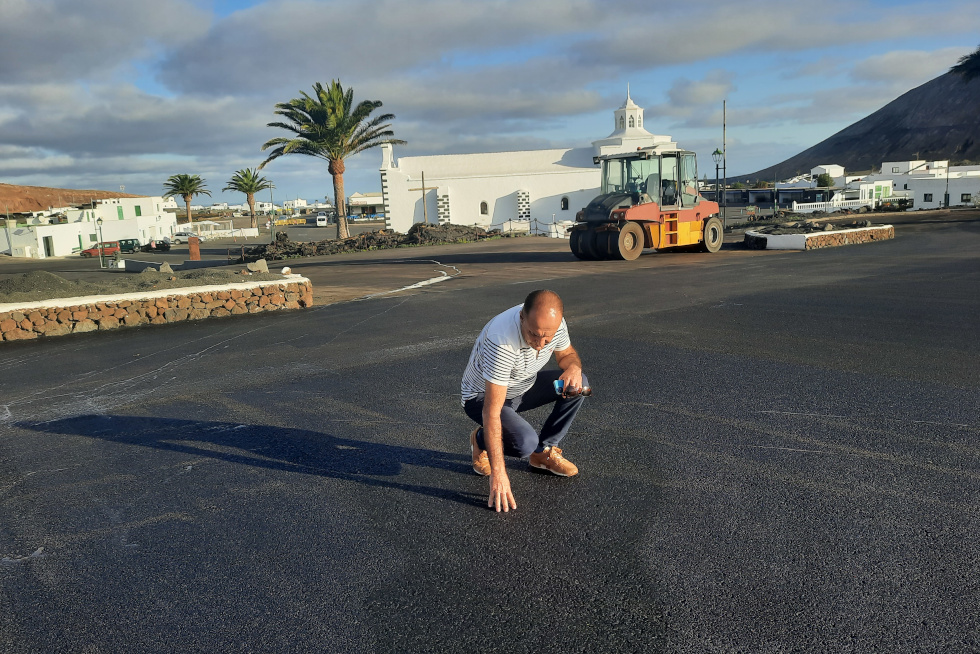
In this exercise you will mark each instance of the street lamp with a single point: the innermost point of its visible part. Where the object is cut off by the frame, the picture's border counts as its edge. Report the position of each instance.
(98, 222)
(716, 156)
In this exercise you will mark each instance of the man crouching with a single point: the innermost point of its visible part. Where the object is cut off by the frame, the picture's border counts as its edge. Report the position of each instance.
(504, 378)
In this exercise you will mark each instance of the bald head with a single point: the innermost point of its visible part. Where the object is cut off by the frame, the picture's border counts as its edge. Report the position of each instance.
(545, 301)
(541, 317)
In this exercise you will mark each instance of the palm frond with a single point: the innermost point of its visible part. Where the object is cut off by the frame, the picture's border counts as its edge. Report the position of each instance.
(968, 66)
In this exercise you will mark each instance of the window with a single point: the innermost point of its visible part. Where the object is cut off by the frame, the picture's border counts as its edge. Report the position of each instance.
(92, 238)
(894, 169)
(484, 209)
(564, 203)
(906, 187)
(927, 197)
(632, 122)
(119, 211)
(639, 122)
(966, 197)
(139, 211)
(622, 122)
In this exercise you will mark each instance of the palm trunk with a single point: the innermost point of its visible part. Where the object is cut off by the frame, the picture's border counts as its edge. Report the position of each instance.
(250, 198)
(336, 169)
(187, 201)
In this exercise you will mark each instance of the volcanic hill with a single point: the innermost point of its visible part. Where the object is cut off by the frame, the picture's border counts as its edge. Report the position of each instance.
(936, 121)
(16, 199)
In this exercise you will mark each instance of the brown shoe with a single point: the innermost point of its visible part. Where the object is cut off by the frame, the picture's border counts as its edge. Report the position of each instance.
(481, 462)
(552, 461)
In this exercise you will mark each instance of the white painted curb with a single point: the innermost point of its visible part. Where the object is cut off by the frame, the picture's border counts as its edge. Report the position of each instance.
(144, 295)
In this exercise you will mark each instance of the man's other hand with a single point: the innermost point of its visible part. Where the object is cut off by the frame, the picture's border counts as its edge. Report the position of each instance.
(572, 378)
(500, 493)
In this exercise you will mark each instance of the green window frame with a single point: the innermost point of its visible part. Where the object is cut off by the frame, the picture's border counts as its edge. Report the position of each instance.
(119, 210)
(139, 211)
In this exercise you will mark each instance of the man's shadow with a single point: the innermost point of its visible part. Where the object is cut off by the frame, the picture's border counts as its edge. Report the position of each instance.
(274, 448)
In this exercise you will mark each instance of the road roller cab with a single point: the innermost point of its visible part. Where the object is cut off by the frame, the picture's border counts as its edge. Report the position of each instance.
(649, 199)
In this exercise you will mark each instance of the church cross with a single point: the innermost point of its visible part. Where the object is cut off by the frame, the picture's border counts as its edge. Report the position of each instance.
(424, 188)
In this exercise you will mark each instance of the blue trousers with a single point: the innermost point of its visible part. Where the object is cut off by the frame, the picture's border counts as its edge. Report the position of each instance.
(519, 437)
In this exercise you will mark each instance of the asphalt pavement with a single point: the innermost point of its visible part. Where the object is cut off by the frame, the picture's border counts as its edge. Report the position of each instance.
(781, 455)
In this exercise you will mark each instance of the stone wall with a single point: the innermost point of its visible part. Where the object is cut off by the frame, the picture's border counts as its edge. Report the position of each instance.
(800, 240)
(849, 237)
(78, 315)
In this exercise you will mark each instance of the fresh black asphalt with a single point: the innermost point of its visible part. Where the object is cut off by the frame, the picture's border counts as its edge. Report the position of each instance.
(781, 455)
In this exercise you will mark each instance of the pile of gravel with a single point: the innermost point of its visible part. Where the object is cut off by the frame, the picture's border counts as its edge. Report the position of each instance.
(40, 285)
(419, 234)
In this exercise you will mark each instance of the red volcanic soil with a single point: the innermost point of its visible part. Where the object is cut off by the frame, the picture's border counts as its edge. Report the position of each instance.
(16, 199)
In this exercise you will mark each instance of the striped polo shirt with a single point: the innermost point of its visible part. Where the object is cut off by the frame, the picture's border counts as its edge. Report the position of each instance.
(502, 356)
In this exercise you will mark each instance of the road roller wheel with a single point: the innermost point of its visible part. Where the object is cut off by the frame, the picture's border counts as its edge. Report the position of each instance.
(628, 243)
(714, 235)
(575, 243)
(589, 246)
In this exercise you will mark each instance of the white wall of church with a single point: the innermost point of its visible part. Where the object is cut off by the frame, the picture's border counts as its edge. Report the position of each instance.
(500, 194)
(513, 185)
(458, 186)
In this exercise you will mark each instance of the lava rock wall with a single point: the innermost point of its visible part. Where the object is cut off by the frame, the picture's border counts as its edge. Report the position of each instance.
(60, 317)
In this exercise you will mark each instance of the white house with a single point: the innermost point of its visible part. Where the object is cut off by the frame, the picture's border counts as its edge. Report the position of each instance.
(365, 204)
(490, 189)
(836, 172)
(929, 183)
(65, 232)
(294, 204)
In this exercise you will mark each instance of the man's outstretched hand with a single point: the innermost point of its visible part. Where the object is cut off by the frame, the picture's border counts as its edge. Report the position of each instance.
(500, 493)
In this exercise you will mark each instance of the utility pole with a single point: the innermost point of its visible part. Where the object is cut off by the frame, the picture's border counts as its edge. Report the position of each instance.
(946, 198)
(724, 162)
(10, 237)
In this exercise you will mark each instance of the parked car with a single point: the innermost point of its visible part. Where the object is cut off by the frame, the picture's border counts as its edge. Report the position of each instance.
(157, 245)
(182, 237)
(129, 245)
(109, 248)
(321, 219)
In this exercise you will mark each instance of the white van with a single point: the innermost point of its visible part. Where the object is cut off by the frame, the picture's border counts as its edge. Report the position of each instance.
(321, 219)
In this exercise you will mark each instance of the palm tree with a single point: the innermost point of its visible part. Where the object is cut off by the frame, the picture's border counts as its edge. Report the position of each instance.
(968, 66)
(248, 182)
(328, 125)
(186, 186)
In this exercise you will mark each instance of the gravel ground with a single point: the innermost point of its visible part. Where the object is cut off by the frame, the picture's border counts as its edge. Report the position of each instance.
(43, 285)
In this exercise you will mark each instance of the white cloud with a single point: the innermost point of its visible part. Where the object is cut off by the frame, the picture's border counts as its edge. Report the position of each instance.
(77, 102)
(55, 40)
(289, 43)
(907, 68)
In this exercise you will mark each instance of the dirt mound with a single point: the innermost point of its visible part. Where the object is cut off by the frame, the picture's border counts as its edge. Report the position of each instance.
(419, 234)
(40, 285)
(39, 198)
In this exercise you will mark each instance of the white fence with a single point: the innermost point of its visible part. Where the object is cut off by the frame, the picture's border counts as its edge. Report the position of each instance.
(833, 205)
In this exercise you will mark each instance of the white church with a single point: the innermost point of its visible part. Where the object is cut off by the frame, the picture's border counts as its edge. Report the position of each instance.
(489, 189)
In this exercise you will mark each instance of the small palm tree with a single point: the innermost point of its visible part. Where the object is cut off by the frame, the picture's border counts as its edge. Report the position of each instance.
(248, 182)
(968, 66)
(328, 125)
(186, 186)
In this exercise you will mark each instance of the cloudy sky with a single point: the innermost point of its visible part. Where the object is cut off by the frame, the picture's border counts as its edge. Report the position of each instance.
(103, 93)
